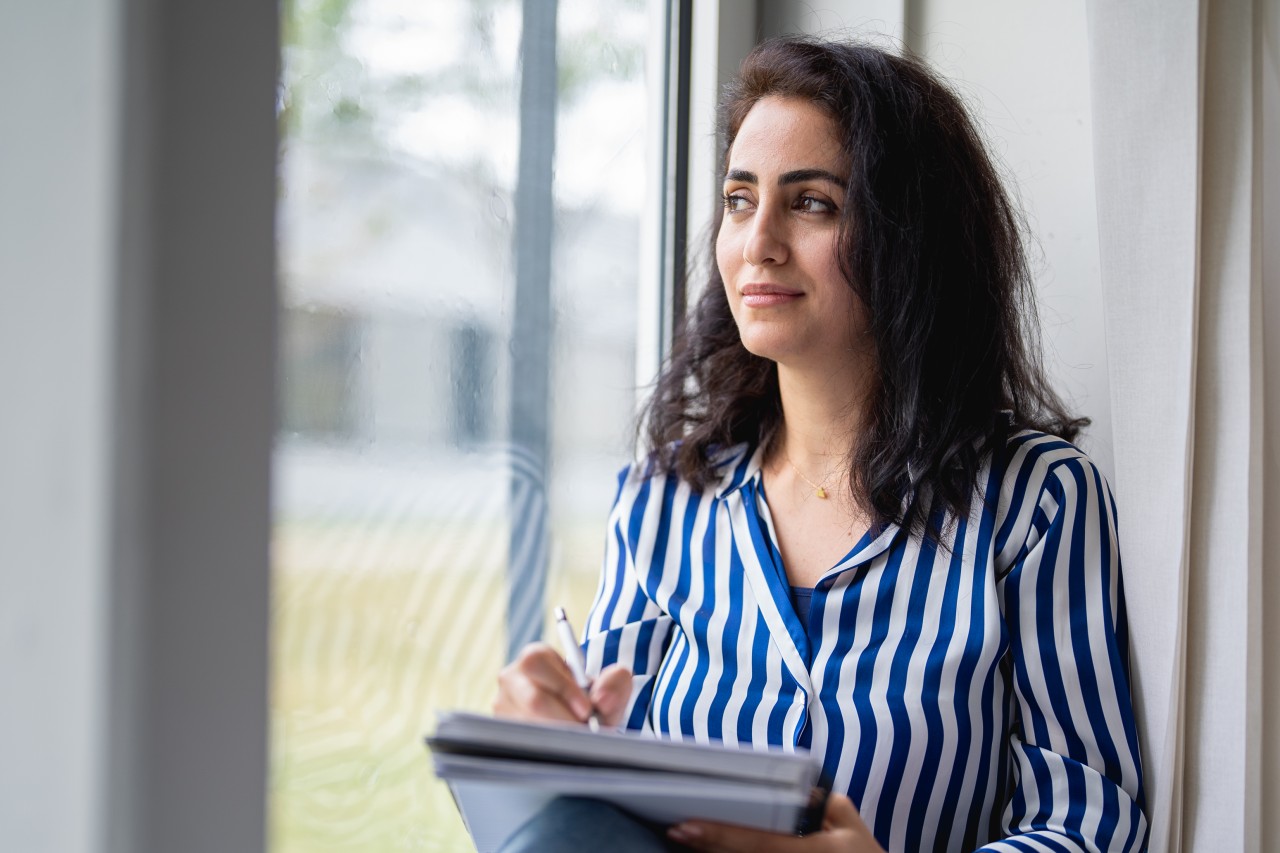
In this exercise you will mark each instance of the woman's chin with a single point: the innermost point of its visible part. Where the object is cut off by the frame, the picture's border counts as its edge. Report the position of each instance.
(775, 337)
(764, 346)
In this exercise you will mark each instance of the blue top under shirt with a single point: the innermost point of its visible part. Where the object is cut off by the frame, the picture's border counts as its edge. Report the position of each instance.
(801, 596)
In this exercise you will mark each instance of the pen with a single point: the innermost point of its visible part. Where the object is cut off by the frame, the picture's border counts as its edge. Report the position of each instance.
(573, 657)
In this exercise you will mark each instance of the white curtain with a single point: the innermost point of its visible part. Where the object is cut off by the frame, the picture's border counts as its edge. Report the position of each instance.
(1180, 89)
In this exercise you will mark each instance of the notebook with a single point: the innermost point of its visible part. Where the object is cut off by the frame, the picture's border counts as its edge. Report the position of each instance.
(502, 772)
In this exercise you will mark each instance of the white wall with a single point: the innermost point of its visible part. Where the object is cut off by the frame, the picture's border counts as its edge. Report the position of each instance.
(1024, 67)
(57, 254)
(880, 21)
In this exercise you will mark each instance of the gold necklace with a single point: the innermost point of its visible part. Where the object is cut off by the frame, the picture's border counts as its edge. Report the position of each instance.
(817, 489)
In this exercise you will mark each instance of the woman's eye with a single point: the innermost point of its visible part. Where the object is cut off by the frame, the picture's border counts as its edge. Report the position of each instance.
(813, 204)
(734, 203)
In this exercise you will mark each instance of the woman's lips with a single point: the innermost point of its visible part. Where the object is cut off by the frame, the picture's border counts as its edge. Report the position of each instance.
(767, 295)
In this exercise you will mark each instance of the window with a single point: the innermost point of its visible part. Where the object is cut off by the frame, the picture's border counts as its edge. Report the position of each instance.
(451, 417)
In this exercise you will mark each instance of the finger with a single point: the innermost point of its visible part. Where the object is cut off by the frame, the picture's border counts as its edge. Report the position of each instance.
(841, 814)
(539, 684)
(842, 820)
(541, 664)
(523, 699)
(552, 676)
(704, 835)
(610, 693)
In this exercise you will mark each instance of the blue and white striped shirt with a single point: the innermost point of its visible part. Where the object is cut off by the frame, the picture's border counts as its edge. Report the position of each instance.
(969, 695)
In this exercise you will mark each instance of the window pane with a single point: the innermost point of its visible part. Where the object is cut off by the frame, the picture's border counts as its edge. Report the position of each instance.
(398, 490)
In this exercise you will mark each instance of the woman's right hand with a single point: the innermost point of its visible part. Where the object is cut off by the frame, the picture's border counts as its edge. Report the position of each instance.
(538, 685)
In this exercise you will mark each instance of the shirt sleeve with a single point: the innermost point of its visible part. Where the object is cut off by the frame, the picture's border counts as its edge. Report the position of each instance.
(1076, 780)
(625, 625)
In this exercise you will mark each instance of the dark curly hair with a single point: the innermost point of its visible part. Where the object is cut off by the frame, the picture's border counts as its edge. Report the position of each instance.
(930, 243)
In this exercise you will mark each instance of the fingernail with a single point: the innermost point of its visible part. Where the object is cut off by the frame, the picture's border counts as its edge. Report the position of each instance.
(582, 708)
(685, 831)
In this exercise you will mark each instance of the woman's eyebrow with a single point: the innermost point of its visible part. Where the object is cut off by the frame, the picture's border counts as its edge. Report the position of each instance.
(794, 177)
(802, 175)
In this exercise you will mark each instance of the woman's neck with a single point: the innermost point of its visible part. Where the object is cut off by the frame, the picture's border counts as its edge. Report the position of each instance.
(822, 413)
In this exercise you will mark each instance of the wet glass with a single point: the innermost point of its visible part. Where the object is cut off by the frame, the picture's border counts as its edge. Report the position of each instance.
(411, 507)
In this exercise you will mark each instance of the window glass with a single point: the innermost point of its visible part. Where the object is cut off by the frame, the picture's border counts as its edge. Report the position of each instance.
(402, 478)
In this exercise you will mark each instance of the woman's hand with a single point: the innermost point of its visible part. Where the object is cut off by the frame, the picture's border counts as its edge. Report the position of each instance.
(538, 685)
(842, 830)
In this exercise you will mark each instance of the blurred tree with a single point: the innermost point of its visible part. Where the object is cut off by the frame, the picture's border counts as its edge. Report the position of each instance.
(329, 93)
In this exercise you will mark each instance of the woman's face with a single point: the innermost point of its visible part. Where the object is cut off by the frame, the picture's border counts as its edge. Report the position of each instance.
(777, 244)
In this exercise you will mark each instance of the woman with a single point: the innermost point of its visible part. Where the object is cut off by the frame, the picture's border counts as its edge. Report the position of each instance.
(861, 528)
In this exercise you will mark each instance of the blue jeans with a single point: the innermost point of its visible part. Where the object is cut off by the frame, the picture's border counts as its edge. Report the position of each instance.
(575, 824)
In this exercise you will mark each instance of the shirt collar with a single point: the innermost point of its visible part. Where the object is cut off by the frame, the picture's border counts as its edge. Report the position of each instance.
(738, 465)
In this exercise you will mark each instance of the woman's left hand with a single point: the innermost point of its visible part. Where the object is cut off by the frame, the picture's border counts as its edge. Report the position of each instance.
(842, 830)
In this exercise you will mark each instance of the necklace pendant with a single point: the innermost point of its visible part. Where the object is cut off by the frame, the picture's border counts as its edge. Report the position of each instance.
(822, 493)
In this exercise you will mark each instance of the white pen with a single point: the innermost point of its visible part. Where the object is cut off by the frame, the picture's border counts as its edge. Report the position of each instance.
(573, 657)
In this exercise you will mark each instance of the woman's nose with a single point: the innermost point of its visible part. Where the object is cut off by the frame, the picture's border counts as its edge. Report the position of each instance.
(766, 243)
